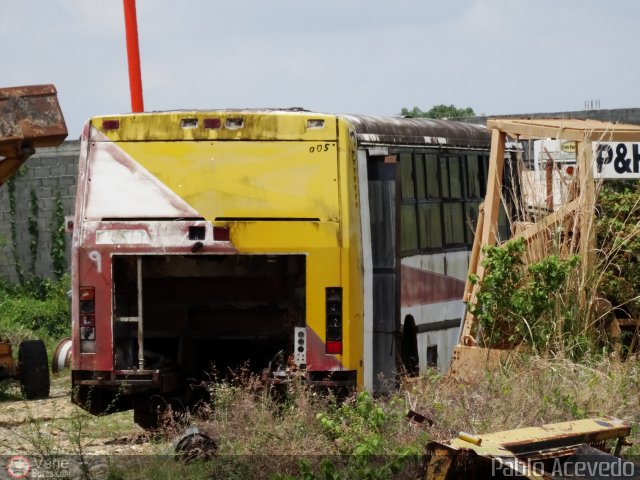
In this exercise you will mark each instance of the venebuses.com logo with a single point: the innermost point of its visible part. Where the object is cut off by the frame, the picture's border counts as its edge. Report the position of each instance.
(18, 467)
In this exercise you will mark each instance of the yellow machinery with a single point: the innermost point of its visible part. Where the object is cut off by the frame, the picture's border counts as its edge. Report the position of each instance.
(30, 117)
(586, 448)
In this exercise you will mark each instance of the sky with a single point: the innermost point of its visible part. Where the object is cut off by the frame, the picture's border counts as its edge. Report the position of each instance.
(336, 56)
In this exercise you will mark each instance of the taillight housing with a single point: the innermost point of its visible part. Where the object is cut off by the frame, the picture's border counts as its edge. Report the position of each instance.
(334, 320)
(87, 317)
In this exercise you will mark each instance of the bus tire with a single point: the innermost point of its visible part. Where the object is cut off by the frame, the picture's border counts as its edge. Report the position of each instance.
(33, 366)
(145, 418)
(148, 411)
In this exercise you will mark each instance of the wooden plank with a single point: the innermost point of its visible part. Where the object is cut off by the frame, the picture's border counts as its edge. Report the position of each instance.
(533, 230)
(494, 188)
(536, 131)
(475, 253)
(584, 157)
(490, 219)
(568, 129)
(470, 363)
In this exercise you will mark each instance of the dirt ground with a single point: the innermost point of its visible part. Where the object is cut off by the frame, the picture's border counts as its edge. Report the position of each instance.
(54, 426)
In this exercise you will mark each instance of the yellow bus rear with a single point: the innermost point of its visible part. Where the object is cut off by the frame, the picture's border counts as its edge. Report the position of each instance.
(221, 226)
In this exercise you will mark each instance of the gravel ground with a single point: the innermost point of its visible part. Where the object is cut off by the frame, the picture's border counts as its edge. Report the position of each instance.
(55, 426)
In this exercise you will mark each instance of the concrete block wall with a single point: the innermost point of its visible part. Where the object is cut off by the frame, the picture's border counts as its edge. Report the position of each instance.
(615, 115)
(49, 172)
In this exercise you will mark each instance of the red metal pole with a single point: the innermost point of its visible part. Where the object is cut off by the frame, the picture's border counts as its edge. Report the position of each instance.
(133, 55)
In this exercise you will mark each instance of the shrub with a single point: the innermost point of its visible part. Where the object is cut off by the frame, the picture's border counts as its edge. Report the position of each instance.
(517, 303)
(618, 238)
(39, 307)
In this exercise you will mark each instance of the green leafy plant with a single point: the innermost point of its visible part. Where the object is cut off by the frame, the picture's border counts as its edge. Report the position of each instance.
(359, 429)
(36, 308)
(618, 239)
(517, 304)
(439, 111)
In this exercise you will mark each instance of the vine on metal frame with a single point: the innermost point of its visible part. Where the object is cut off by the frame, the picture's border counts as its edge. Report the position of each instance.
(58, 244)
(33, 230)
(11, 188)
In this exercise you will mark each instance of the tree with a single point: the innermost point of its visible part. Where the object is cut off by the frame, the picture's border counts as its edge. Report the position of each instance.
(439, 111)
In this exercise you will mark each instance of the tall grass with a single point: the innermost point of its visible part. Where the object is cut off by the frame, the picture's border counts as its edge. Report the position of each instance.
(311, 436)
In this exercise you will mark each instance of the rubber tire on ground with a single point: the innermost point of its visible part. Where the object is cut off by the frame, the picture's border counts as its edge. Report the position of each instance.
(33, 366)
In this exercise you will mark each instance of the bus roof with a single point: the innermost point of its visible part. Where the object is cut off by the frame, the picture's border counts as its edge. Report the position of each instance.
(287, 124)
(418, 131)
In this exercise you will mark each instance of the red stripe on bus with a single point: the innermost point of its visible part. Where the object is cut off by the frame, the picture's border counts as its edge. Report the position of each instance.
(422, 287)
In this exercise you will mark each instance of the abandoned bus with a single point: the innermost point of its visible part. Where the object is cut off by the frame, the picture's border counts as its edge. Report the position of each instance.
(278, 240)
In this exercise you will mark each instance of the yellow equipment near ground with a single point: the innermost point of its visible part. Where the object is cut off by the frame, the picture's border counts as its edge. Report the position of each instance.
(586, 448)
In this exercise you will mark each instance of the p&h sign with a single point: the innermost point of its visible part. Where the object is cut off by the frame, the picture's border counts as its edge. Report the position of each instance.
(616, 160)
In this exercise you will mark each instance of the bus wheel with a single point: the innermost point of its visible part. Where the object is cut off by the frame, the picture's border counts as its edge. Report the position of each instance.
(145, 418)
(33, 366)
(149, 411)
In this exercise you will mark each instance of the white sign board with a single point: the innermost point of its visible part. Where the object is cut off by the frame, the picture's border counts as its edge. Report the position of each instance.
(616, 160)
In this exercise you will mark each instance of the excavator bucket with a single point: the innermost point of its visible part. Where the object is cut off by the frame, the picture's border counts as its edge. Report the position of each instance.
(30, 117)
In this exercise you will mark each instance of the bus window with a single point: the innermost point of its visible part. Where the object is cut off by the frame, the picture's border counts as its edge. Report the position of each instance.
(473, 177)
(420, 178)
(430, 217)
(453, 223)
(406, 176)
(455, 184)
(504, 227)
(433, 189)
(409, 232)
(444, 177)
(471, 220)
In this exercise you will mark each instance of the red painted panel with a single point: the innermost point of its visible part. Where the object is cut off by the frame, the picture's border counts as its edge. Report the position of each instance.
(317, 359)
(422, 287)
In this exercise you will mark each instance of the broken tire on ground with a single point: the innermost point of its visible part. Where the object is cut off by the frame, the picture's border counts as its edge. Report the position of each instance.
(33, 366)
(195, 445)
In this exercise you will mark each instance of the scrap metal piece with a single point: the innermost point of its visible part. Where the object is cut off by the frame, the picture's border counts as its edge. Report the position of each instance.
(524, 452)
(61, 358)
(30, 117)
(7, 363)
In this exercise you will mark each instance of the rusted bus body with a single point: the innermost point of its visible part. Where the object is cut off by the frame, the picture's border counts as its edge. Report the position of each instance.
(421, 182)
(206, 239)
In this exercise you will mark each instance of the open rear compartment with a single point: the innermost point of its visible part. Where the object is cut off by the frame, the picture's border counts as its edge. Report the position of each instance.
(206, 314)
